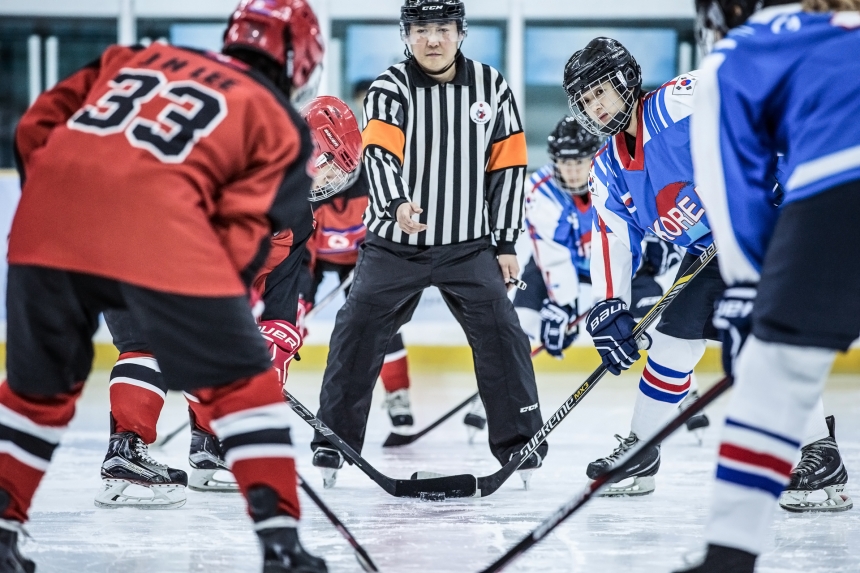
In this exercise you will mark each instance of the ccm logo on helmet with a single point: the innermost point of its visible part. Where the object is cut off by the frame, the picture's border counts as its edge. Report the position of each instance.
(431, 7)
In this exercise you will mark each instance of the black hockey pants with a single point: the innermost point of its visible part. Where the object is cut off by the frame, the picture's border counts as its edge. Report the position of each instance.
(389, 280)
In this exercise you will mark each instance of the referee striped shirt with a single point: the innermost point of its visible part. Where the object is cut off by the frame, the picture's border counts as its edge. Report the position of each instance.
(456, 149)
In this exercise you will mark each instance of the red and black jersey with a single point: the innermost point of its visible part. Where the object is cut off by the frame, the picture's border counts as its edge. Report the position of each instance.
(339, 226)
(162, 167)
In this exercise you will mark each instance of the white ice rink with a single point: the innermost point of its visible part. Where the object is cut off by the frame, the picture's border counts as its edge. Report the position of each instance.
(211, 532)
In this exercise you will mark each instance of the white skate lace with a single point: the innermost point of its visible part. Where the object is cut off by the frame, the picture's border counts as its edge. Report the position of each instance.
(142, 450)
(810, 460)
(624, 445)
(397, 400)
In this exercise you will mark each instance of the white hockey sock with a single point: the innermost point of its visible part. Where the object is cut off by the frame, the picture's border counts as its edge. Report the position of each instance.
(776, 387)
(816, 427)
(665, 381)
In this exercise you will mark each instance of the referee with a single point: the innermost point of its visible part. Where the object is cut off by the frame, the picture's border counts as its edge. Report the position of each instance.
(445, 156)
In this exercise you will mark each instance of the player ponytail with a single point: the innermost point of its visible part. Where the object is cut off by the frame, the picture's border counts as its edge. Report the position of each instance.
(831, 5)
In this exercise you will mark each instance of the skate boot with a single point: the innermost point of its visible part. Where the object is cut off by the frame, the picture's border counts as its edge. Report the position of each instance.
(282, 550)
(209, 471)
(11, 560)
(528, 467)
(820, 468)
(721, 559)
(128, 463)
(697, 423)
(642, 472)
(476, 420)
(399, 410)
(328, 460)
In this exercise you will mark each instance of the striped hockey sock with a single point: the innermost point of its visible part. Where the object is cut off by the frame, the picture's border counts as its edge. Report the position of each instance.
(137, 392)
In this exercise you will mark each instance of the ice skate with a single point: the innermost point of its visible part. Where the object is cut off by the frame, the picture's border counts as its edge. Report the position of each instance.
(283, 552)
(528, 467)
(128, 463)
(11, 560)
(399, 410)
(719, 559)
(328, 460)
(697, 423)
(642, 473)
(476, 419)
(820, 470)
(209, 471)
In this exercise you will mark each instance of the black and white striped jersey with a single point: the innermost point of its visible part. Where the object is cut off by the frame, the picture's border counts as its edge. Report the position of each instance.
(457, 149)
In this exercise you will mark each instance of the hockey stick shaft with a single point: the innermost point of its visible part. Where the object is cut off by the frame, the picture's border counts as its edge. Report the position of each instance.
(160, 443)
(489, 484)
(612, 476)
(363, 558)
(345, 284)
(395, 439)
(463, 485)
(570, 326)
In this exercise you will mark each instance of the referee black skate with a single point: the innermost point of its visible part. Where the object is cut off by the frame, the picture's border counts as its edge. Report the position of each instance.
(445, 154)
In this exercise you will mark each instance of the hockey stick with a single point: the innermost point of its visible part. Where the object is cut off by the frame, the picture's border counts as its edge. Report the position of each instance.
(597, 485)
(430, 489)
(332, 295)
(489, 484)
(360, 554)
(394, 439)
(161, 442)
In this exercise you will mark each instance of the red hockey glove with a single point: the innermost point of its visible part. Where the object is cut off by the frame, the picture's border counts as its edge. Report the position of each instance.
(284, 341)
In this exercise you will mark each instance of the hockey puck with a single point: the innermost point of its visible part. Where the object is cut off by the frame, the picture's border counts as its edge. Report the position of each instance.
(431, 496)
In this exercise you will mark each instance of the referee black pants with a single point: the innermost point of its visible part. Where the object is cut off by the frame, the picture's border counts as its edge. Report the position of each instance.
(389, 280)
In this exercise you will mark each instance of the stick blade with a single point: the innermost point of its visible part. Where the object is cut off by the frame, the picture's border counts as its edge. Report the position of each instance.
(439, 488)
(394, 440)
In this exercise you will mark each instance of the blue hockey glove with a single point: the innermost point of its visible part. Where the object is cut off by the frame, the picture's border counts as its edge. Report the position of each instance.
(733, 317)
(611, 326)
(658, 256)
(553, 327)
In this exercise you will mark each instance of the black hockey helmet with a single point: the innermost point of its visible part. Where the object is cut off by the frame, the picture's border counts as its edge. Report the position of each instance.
(603, 60)
(569, 140)
(414, 11)
(714, 18)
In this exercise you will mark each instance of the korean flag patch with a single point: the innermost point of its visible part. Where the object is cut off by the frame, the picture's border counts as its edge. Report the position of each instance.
(685, 85)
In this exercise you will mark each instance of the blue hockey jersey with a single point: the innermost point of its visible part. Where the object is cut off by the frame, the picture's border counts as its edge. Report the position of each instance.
(652, 192)
(560, 228)
(786, 82)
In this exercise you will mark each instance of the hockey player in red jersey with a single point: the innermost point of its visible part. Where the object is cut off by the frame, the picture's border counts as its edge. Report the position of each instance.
(151, 181)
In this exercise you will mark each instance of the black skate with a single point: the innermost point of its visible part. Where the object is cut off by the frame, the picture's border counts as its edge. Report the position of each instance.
(328, 460)
(642, 472)
(208, 468)
(721, 559)
(11, 560)
(282, 550)
(128, 463)
(399, 410)
(820, 469)
(476, 420)
(697, 423)
(528, 467)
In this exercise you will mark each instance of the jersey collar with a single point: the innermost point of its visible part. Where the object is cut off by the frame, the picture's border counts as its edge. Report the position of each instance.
(463, 76)
(627, 162)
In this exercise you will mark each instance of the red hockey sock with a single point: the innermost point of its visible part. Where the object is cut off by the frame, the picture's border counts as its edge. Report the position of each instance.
(395, 372)
(31, 428)
(137, 393)
(251, 419)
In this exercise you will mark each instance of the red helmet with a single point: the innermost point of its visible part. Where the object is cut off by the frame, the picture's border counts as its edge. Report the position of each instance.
(285, 30)
(338, 143)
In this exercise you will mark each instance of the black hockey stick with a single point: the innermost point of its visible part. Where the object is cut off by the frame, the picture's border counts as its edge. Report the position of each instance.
(597, 485)
(489, 484)
(360, 554)
(161, 442)
(394, 439)
(430, 489)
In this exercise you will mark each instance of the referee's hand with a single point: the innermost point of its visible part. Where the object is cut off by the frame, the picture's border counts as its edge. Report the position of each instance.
(404, 218)
(510, 269)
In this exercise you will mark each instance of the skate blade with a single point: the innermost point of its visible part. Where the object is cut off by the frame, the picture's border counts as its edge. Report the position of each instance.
(797, 501)
(526, 476)
(207, 481)
(329, 477)
(113, 496)
(639, 486)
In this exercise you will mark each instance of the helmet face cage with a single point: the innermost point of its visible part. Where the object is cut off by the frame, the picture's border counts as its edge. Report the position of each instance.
(556, 174)
(714, 19)
(329, 179)
(619, 105)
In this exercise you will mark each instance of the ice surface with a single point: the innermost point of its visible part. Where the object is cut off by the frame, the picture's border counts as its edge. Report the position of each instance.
(651, 534)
